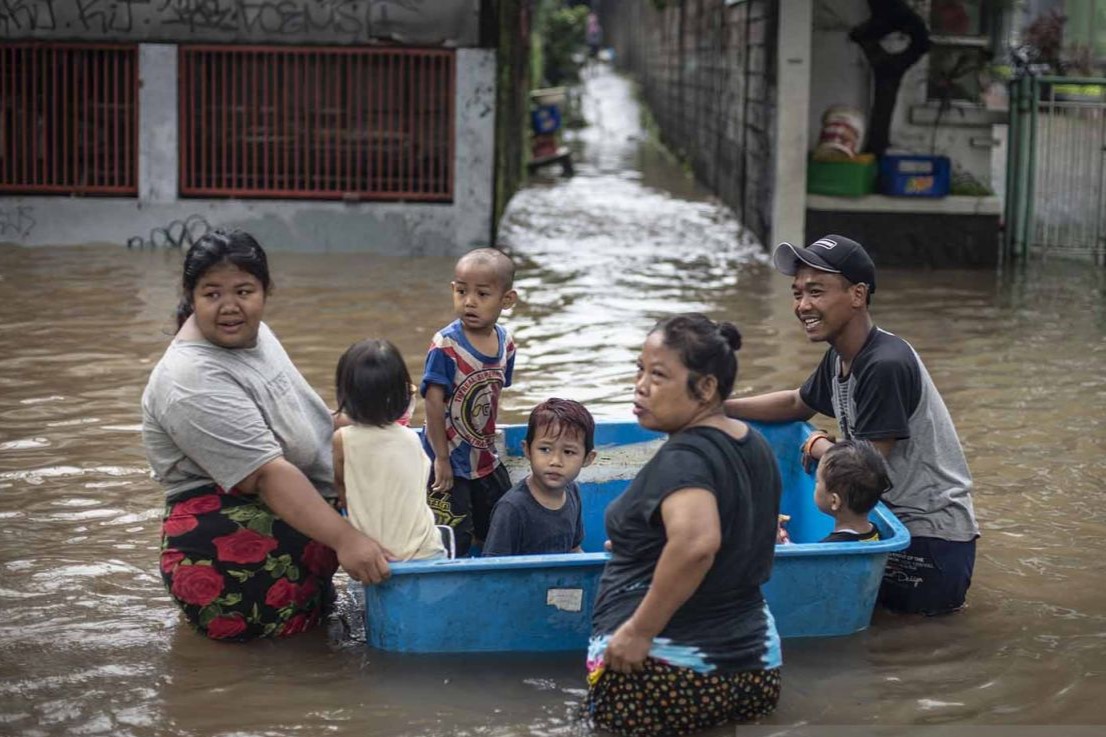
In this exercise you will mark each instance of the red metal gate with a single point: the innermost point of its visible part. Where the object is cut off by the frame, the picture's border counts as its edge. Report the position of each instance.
(348, 123)
(69, 118)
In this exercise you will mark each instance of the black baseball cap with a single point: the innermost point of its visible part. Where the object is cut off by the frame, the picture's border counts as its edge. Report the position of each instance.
(835, 254)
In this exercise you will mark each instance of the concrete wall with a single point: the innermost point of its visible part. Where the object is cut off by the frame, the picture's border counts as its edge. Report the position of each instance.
(513, 26)
(793, 79)
(389, 228)
(707, 71)
(421, 22)
(915, 239)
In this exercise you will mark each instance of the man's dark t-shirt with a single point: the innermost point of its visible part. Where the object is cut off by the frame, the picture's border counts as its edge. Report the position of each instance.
(522, 526)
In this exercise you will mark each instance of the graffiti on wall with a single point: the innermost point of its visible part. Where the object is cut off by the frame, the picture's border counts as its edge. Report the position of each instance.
(26, 15)
(413, 21)
(16, 221)
(177, 234)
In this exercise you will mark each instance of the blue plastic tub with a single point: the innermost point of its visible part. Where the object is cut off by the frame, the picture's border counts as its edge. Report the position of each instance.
(543, 603)
(915, 176)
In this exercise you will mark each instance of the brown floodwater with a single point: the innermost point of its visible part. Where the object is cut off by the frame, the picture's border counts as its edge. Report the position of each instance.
(91, 644)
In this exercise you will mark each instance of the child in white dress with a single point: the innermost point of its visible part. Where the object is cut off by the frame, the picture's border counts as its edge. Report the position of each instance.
(380, 468)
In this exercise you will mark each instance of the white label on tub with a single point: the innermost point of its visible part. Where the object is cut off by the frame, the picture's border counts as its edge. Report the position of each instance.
(567, 600)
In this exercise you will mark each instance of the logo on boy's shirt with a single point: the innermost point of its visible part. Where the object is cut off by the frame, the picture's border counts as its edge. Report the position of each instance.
(473, 407)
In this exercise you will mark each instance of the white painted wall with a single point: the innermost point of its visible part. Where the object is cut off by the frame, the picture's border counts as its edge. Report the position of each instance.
(388, 228)
(839, 74)
(792, 111)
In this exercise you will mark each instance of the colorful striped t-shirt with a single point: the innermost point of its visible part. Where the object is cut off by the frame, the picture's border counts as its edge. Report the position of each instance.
(473, 382)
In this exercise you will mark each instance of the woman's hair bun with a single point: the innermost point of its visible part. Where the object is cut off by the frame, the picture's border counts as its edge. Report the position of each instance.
(731, 334)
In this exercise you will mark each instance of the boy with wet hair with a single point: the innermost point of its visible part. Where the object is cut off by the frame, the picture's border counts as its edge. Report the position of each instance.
(469, 363)
(851, 478)
(542, 514)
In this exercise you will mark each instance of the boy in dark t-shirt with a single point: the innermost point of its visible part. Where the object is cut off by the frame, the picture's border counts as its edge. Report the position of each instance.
(851, 478)
(542, 513)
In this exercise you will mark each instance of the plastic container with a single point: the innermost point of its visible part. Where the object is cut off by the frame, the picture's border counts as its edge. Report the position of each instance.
(846, 178)
(914, 176)
(548, 96)
(544, 602)
(842, 133)
(545, 119)
(543, 145)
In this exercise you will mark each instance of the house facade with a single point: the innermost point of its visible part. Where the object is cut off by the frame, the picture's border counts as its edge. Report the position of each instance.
(740, 87)
(330, 125)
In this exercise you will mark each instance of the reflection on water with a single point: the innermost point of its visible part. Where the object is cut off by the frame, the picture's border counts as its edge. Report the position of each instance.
(91, 644)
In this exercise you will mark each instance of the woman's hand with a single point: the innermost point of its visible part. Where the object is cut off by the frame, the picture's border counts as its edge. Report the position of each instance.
(443, 474)
(290, 495)
(364, 559)
(628, 648)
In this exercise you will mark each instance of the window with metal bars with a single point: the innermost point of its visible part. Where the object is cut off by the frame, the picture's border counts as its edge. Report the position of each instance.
(348, 123)
(68, 118)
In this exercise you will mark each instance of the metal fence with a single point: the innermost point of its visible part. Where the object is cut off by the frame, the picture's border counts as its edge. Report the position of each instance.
(68, 118)
(1056, 168)
(334, 123)
(707, 72)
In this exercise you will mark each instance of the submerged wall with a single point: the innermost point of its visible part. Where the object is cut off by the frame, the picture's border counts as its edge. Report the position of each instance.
(707, 72)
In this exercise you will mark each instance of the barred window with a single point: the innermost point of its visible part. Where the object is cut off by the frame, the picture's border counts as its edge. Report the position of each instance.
(319, 123)
(68, 118)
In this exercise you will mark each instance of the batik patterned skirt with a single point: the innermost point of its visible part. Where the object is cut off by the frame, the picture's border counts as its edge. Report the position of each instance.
(665, 699)
(239, 572)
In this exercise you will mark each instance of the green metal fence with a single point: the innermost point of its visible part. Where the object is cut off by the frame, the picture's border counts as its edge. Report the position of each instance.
(1056, 168)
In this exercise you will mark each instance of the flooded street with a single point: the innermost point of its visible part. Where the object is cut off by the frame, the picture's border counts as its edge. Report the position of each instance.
(91, 644)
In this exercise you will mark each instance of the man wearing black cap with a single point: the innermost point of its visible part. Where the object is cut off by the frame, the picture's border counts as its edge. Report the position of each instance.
(875, 385)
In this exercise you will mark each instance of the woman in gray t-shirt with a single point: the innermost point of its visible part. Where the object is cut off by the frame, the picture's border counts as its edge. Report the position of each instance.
(241, 443)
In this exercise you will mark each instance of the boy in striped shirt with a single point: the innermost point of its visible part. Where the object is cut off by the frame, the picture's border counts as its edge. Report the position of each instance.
(468, 364)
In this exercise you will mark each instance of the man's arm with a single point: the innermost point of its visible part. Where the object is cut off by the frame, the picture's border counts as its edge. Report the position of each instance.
(771, 407)
(820, 446)
(435, 433)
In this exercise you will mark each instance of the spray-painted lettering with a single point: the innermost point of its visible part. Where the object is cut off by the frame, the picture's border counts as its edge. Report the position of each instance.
(16, 221)
(17, 16)
(108, 15)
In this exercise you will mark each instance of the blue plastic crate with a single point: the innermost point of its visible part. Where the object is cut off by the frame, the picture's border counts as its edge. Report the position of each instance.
(914, 176)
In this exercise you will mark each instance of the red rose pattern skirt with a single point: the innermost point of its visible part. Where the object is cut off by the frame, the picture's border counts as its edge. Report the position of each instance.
(239, 572)
(664, 699)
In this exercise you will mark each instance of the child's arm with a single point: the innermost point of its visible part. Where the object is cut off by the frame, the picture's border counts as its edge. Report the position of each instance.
(339, 469)
(435, 433)
(509, 369)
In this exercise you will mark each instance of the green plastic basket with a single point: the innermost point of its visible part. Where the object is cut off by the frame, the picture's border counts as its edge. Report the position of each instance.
(841, 178)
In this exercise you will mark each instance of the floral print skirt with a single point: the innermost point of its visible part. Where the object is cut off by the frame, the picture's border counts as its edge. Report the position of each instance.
(239, 572)
(665, 699)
